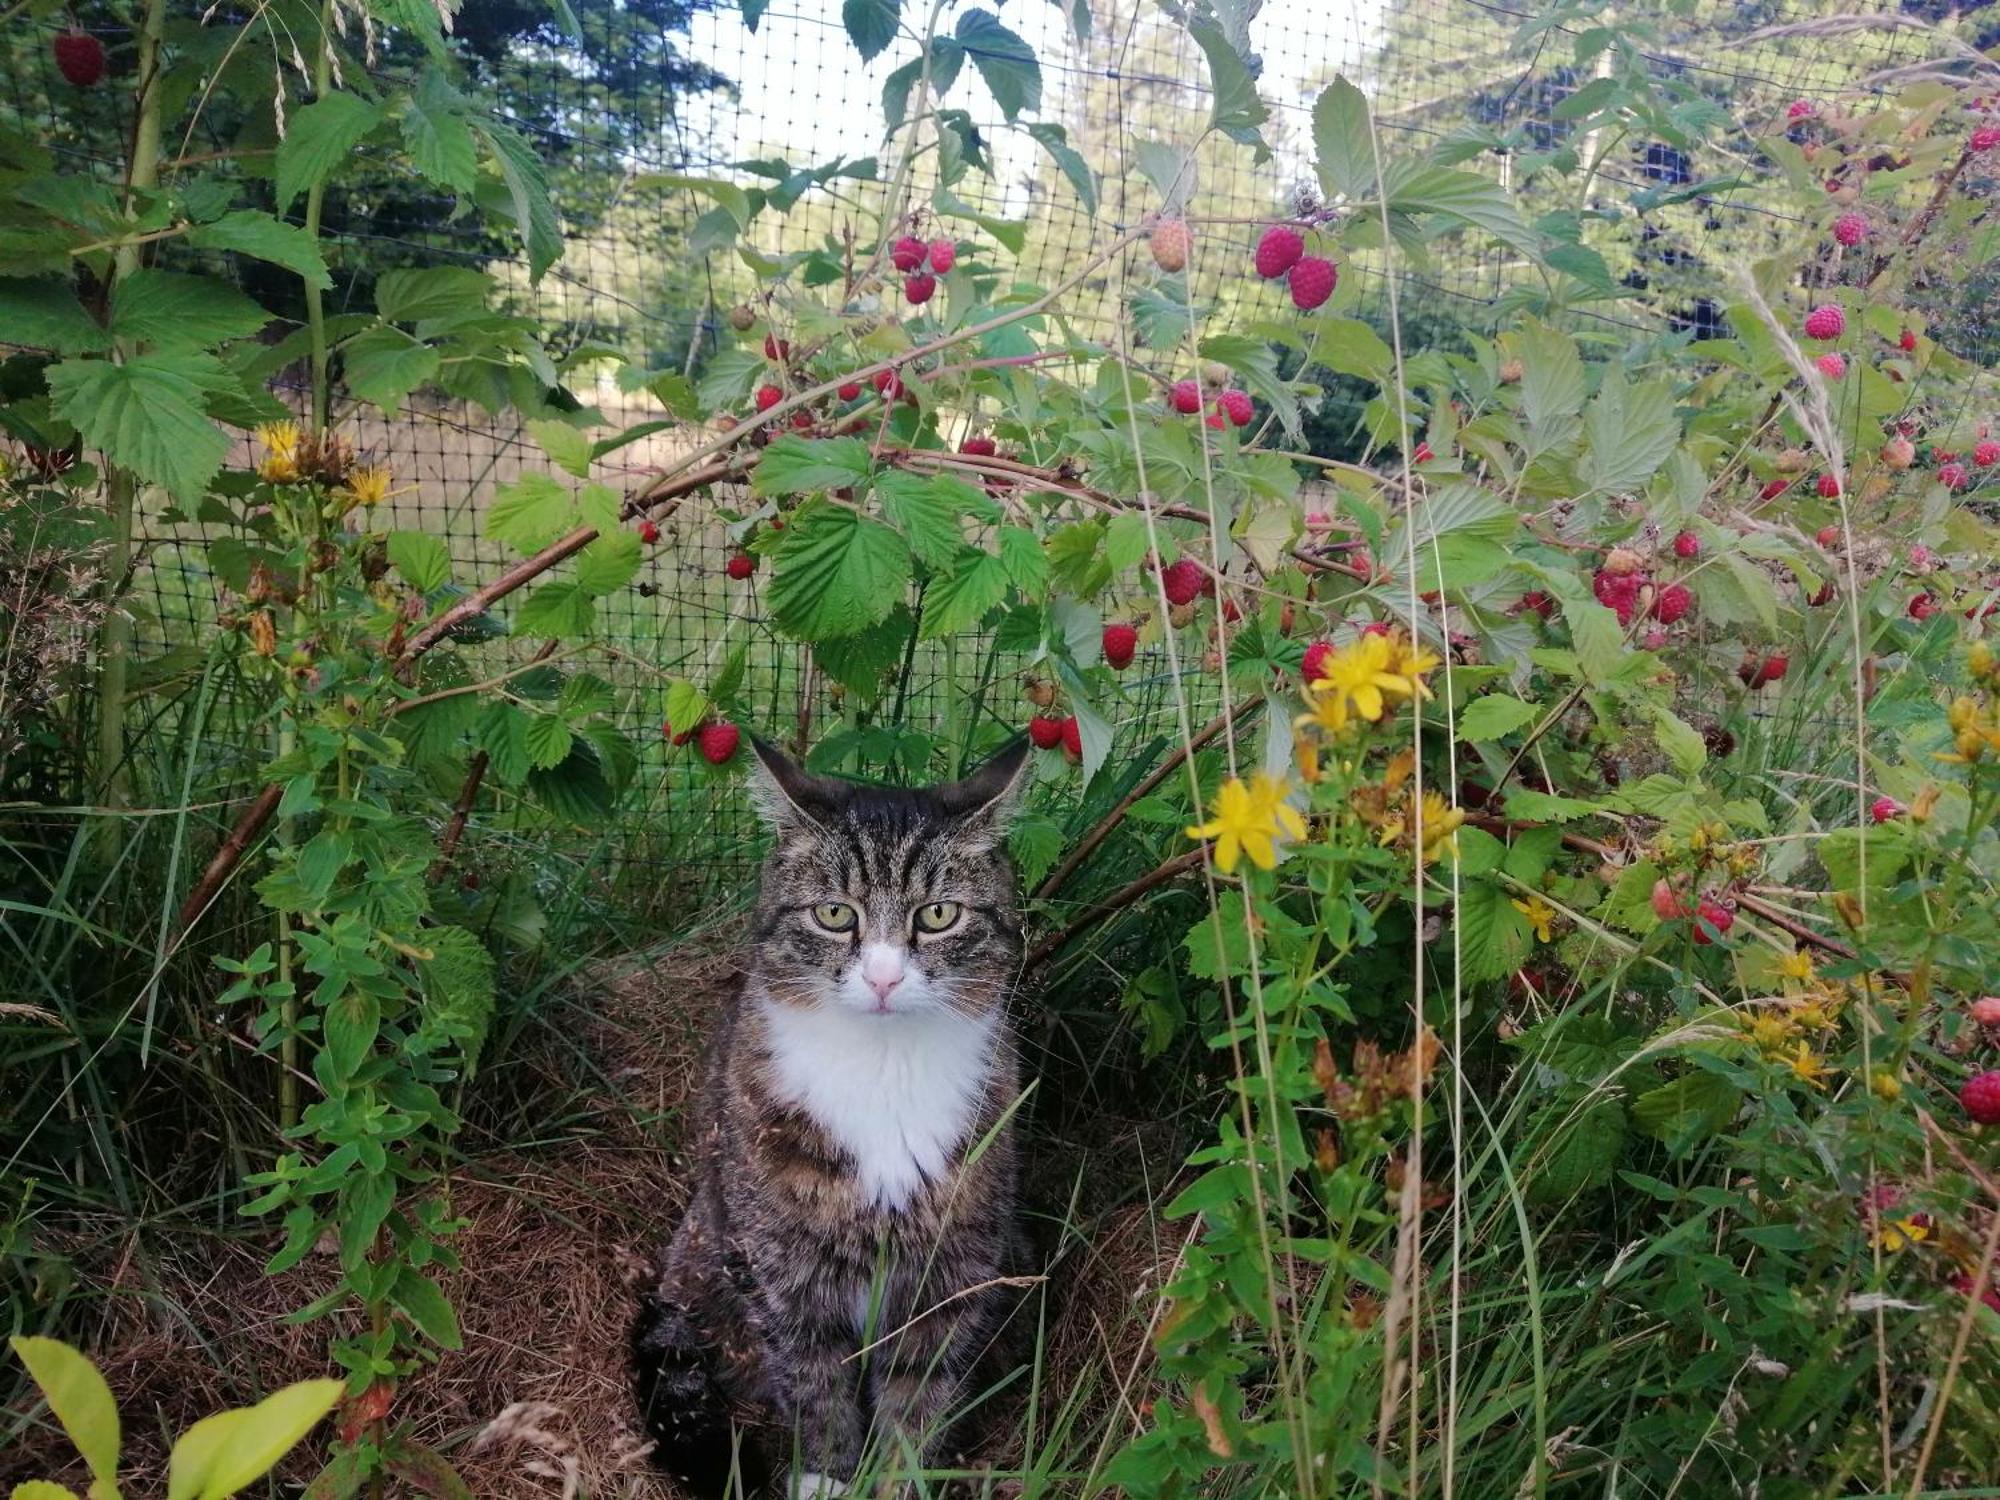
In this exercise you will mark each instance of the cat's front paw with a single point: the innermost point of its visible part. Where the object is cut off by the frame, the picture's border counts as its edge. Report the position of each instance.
(806, 1485)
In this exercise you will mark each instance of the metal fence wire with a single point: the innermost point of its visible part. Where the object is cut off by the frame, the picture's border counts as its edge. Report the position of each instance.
(658, 86)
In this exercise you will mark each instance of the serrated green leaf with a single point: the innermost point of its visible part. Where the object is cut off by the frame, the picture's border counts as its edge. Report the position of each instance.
(862, 662)
(923, 510)
(1691, 1109)
(1007, 64)
(567, 447)
(436, 135)
(1237, 110)
(1069, 161)
(263, 237)
(531, 512)
(547, 740)
(319, 138)
(1629, 431)
(1599, 638)
(528, 188)
(560, 611)
(871, 25)
(1493, 716)
(1493, 937)
(1679, 742)
(835, 573)
(1343, 144)
(384, 365)
(608, 564)
(45, 314)
(502, 733)
(147, 414)
(727, 195)
(792, 464)
(172, 311)
(411, 295)
(960, 599)
(1026, 563)
(1578, 1147)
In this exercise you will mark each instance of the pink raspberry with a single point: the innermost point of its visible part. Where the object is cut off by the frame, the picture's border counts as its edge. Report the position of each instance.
(1667, 904)
(1832, 366)
(1981, 1097)
(1829, 487)
(1882, 809)
(1920, 557)
(917, 289)
(1654, 639)
(1801, 109)
(1985, 1011)
(1313, 280)
(979, 447)
(1825, 322)
(1985, 138)
(1687, 545)
(943, 256)
(1850, 229)
(1986, 454)
(1953, 476)
(1184, 581)
(907, 253)
(1828, 536)
(1214, 421)
(1278, 251)
(1907, 342)
(1923, 606)
(1672, 602)
(1313, 668)
(1422, 454)
(1120, 641)
(1185, 397)
(768, 396)
(1899, 452)
(1236, 406)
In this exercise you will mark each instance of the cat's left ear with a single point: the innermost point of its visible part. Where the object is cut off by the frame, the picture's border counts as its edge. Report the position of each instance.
(991, 795)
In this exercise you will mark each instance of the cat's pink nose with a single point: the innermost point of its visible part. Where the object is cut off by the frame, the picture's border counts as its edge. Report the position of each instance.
(883, 971)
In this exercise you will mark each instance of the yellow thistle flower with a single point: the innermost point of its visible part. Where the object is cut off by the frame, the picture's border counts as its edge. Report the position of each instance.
(1358, 674)
(369, 484)
(1540, 917)
(280, 463)
(1808, 1066)
(1247, 820)
(1797, 967)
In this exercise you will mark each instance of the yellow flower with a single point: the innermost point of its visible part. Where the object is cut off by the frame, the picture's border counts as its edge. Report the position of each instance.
(1900, 1234)
(1797, 966)
(1437, 827)
(280, 463)
(1358, 674)
(1808, 1066)
(1412, 661)
(1540, 917)
(1771, 1032)
(1248, 820)
(369, 484)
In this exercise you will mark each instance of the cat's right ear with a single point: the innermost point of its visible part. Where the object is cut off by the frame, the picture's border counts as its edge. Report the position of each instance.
(782, 791)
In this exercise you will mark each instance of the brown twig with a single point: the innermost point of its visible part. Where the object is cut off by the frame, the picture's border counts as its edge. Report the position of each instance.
(461, 810)
(1086, 845)
(240, 838)
(1117, 901)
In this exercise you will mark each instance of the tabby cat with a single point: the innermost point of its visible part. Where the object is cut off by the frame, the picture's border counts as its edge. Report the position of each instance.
(829, 1292)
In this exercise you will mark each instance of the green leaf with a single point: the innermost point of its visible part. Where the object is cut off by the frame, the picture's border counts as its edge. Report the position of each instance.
(1237, 111)
(792, 464)
(147, 414)
(46, 315)
(1069, 161)
(263, 237)
(385, 364)
(531, 512)
(862, 662)
(231, 1450)
(1006, 62)
(1679, 741)
(728, 195)
(1579, 1148)
(1493, 936)
(608, 564)
(436, 135)
(410, 296)
(1256, 360)
(503, 734)
(80, 1399)
(1461, 197)
(924, 510)
(871, 25)
(1494, 715)
(557, 610)
(1552, 381)
(835, 573)
(528, 186)
(947, 58)
(1343, 143)
(1218, 945)
(41, 1489)
(959, 600)
(1026, 563)
(319, 138)
(1688, 1111)
(567, 446)
(173, 311)
(1630, 431)
(547, 740)
(1599, 638)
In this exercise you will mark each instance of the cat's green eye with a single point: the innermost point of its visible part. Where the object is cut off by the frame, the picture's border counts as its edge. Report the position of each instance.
(835, 916)
(937, 916)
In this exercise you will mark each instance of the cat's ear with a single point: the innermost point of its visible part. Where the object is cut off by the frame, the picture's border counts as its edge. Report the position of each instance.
(782, 791)
(991, 795)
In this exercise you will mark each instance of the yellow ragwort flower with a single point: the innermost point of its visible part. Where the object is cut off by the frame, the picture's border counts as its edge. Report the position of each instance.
(1808, 1066)
(280, 463)
(1797, 966)
(1357, 674)
(1540, 917)
(1771, 1032)
(1248, 819)
(1412, 661)
(369, 484)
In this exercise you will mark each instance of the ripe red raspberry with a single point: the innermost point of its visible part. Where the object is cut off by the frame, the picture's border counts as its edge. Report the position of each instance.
(1667, 904)
(802, 419)
(741, 566)
(1214, 420)
(849, 390)
(1828, 536)
(1171, 243)
(667, 732)
(1832, 366)
(1313, 280)
(1981, 1097)
(1541, 603)
(1313, 668)
(1072, 737)
(79, 58)
(1045, 733)
(917, 289)
(1985, 1011)
(888, 384)
(1985, 138)
(1278, 251)
(1882, 809)
(768, 396)
(1963, 1284)
(1120, 641)
(1774, 488)
(1898, 453)
(1236, 406)
(1825, 322)
(1942, 455)
(1186, 397)
(1952, 476)
(1715, 915)
(649, 532)
(979, 446)
(1687, 545)
(1672, 602)
(1824, 596)
(1184, 581)
(1986, 454)
(1801, 109)
(1850, 229)
(1422, 454)
(943, 256)
(718, 742)
(1829, 487)
(1770, 669)
(907, 253)
(776, 349)
(1923, 606)
(1618, 592)
(1907, 342)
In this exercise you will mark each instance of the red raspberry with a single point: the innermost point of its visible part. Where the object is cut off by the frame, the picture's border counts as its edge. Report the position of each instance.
(917, 289)
(1618, 592)
(79, 58)
(1667, 904)
(1825, 322)
(1923, 606)
(888, 384)
(1687, 545)
(649, 532)
(1985, 1011)
(1313, 668)
(1045, 733)
(1961, 1283)
(1120, 641)
(1828, 536)
(1771, 669)
(1376, 627)
(718, 742)
(1832, 366)
(741, 566)
(802, 419)
(1986, 454)
(1184, 581)
(979, 447)
(907, 253)
(1981, 1097)
(1850, 229)
(1985, 138)
(1672, 602)
(1882, 809)
(1541, 603)
(776, 349)
(849, 390)
(1942, 455)
(1824, 596)
(1952, 476)
(1829, 487)
(1422, 454)
(1907, 342)
(1214, 420)
(943, 256)
(1072, 737)
(1186, 397)
(768, 396)
(1237, 407)
(1801, 109)
(1278, 251)
(1773, 489)
(1313, 280)
(667, 732)
(1715, 915)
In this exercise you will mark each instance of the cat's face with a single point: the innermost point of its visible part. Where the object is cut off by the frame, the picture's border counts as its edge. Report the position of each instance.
(887, 901)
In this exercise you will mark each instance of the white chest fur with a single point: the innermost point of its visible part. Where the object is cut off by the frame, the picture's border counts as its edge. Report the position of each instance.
(897, 1092)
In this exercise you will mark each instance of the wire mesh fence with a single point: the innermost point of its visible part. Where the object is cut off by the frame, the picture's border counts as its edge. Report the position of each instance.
(662, 88)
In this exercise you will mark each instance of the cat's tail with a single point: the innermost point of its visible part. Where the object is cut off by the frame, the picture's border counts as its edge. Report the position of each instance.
(685, 1408)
